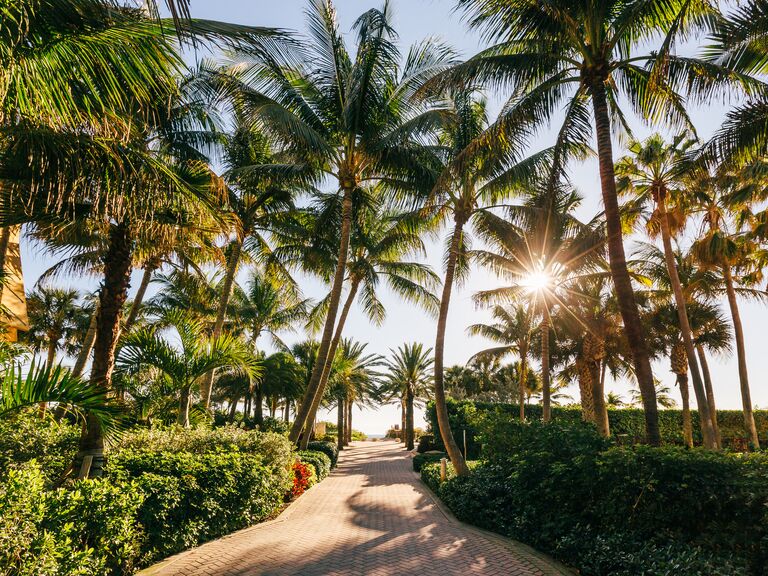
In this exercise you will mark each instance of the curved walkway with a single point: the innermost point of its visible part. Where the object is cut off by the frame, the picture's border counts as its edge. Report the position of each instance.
(371, 517)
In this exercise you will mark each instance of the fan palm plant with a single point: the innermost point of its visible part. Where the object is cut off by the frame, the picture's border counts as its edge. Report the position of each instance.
(654, 173)
(353, 116)
(184, 366)
(408, 379)
(573, 55)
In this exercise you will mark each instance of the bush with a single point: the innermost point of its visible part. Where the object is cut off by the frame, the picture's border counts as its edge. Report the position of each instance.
(86, 529)
(616, 510)
(303, 479)
(319, 460)
(26, 437)
(191, 498)
(426, 443)
(328, 448)
(419, 460)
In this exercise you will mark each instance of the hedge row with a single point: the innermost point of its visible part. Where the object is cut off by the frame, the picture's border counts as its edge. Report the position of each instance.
(627, 425)
(616, 511)
(319, 460)
(163, 491)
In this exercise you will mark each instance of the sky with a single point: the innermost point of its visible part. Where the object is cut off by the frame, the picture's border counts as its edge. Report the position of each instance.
(414, 21)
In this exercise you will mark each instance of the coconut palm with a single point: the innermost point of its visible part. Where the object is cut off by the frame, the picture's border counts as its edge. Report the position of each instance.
(53, 318)
(540, 249)
(408, 379)
(197, 354)
(382, 243)
(654, 174)
(577, 54)
(351, 115)
(511, 331)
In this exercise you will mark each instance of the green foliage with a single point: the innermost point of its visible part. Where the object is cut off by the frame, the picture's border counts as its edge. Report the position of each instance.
(319, 460)
(615, 510)
(26, 436)
(426, 443)
(419, 460)
(191, 498)
(85, 529)
(627, 424)
(328, 448)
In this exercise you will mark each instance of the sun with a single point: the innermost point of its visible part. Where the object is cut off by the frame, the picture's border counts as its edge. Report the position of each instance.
(537, 281)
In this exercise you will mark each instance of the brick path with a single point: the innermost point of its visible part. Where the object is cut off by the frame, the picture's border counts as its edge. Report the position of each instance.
(371, 517)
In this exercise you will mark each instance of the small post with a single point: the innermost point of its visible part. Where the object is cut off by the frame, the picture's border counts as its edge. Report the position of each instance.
(465, 443)
(443, 469)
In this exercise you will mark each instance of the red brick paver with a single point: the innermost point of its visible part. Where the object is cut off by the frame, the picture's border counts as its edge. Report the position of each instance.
(371, 517)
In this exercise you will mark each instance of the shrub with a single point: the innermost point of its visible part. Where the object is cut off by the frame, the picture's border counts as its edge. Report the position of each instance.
(191, 498)
(615, 510)
(328, 448)
(426, 443)
(303, 479)
(26, 437)
(319, 460)
(419, 460)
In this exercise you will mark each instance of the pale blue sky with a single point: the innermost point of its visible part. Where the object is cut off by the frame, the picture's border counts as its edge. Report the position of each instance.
(415, 20)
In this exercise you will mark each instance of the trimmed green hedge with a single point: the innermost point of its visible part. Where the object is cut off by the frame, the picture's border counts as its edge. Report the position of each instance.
(612, 511)
(328, 448)
(627, 425)
(420, 459)
(319, 460)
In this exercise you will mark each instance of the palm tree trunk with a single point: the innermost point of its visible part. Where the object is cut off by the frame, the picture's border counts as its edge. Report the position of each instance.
(710, 392)
(259, 407)
(149, 269)
(348, 424)
(340, 411)
(682, 382)
(598, 399)
(226, 291)
(441, 408)
(586, 390)
(707, 430)
(287, 410)
(523, 380)
(546, 392)
(402, 420)
(409, 439)
(112, 296)
(233, 408)
(313, 388)
(88, 340)
(741, 355)
(184, 402)
(5, 239)
(622, 282)
(329, 361)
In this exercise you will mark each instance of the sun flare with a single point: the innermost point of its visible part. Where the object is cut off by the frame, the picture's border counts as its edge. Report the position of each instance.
(536, 281)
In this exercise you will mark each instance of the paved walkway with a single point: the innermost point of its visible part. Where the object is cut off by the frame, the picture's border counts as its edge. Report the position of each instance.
(371, 517)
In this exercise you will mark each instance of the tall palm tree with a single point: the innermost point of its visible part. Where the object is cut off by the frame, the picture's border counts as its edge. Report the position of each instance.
(408, 378)
(540, 249)
(382, 243)
(573, 54)
(52, 319)
(351, 115)
(654, 173)
(511, 331)
(184, 366)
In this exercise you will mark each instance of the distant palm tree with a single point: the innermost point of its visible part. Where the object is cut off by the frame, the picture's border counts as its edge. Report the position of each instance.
(408, 379)
(53, 318)
(614, 400)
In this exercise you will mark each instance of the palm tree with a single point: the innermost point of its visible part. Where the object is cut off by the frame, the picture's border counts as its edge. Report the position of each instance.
(408, 379)
(541, 249)
(511, 331)
(184, 366)
(654, 174)
(351, 116)
(380, 246)
(581, 53)
(52, 317)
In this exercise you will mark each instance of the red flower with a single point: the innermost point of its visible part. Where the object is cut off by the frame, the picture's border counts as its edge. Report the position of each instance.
(302, 475)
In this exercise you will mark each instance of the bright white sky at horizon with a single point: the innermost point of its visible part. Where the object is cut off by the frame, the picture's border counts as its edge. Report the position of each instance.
(415, 20)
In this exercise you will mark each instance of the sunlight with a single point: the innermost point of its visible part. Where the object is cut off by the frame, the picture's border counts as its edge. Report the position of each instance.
(537, 281)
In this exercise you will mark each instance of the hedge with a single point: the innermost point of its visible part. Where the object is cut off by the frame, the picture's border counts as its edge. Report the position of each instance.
(627, 424)
(610, 510)
(328, 448)
(319, 460)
